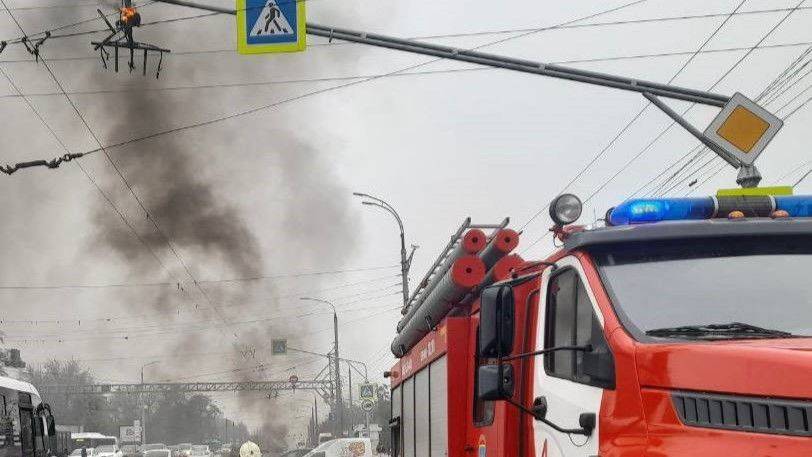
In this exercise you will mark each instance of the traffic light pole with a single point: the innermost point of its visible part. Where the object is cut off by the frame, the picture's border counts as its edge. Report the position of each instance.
(748, 175)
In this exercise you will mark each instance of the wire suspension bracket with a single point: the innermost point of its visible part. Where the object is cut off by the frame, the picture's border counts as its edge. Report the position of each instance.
(55, 163)
(121, 37)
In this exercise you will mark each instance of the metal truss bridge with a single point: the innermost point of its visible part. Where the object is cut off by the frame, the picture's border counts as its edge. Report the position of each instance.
(190, 387)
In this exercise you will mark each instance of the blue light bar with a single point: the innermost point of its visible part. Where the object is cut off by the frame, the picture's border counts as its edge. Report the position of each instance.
(642, 211)
(795, 205)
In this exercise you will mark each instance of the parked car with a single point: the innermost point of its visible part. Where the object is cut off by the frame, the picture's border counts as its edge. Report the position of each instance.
(158, 453)
(130, 450)
(153, 447)
(108, 450)
(184, 450)
(88, 452)
(200, 450)
(325, 437)
(341, 447)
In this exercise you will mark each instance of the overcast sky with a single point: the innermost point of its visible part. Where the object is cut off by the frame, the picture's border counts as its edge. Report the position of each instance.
(439, 146)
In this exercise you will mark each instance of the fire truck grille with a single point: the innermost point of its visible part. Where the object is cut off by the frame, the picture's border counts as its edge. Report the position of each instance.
(746, 414)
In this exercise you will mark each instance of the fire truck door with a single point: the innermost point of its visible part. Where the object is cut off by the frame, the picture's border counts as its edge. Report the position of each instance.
(568, 316)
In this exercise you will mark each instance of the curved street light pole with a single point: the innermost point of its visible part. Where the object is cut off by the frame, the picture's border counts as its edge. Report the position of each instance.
(339, 400)
(405, 259)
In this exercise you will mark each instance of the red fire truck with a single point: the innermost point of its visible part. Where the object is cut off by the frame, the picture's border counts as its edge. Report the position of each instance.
(682, 327)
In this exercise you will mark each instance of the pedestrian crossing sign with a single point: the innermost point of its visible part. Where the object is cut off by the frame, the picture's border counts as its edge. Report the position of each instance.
(270, 26)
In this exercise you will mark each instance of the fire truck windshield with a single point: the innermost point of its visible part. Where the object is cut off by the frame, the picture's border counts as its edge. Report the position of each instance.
(711, 289)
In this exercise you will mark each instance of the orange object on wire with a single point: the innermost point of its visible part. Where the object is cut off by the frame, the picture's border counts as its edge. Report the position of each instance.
(130, 16)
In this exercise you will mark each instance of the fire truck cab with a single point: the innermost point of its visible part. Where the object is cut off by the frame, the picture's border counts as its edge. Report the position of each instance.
(683, 327)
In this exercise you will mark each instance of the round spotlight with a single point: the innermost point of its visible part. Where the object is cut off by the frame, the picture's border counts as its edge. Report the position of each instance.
(565, 209)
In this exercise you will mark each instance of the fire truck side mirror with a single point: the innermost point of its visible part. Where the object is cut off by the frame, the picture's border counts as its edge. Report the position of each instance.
(495, 382)
(496, 322)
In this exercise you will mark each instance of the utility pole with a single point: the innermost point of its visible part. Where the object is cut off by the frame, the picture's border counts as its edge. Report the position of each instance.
(144, 406)
(339, 402)
(317, 429)
(405, 260)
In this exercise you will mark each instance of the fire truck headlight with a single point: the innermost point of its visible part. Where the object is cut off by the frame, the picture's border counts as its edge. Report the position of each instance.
(565, 209)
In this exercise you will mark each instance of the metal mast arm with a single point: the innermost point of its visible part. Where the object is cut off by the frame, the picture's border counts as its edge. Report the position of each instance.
(492, 60)
(653, 91)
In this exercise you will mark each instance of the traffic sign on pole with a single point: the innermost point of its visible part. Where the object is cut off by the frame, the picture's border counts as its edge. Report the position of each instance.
(279, 347)
(270, 26)
(367, 405)
(366, 391)
(743, 128)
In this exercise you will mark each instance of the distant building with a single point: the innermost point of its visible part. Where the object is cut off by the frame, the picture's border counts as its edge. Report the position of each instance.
(12, 365)
(11, 358)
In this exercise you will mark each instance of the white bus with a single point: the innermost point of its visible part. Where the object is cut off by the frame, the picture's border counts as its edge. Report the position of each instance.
(92, 439)
(27, 426)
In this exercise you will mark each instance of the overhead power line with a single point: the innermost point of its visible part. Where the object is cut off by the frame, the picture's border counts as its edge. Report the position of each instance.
(363, 76)
(421, 37)
(626, 128)
(83, 321)
(767, 90)
(205, 281)
(68, 153)
(96, 139)
(334, 88)
(125, 336)
(173, 328)
(705, 174)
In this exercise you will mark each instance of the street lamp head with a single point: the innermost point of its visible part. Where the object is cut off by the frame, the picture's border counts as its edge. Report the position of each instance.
(319, 300)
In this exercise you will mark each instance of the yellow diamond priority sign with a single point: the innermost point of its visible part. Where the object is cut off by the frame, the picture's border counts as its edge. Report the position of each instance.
(743, 128)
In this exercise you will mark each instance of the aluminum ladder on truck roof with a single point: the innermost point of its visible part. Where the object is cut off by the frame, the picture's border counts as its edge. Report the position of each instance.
(440, 263)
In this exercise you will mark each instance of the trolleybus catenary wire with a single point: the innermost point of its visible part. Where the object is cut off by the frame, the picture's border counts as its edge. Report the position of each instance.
(662, 190)
(700, 152)
(362, 76)
(334, 88)
(96, 139)
(276, 104)
(49, 31)
(627, 126)
(720, 169)
(84, 171)
(773, 87)
(777, 84)
(422, 37)
(177, 312)
(128, 335)
(205, 281)
(781, 79)
(163, 325)
(169, 243)
(628, 163)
